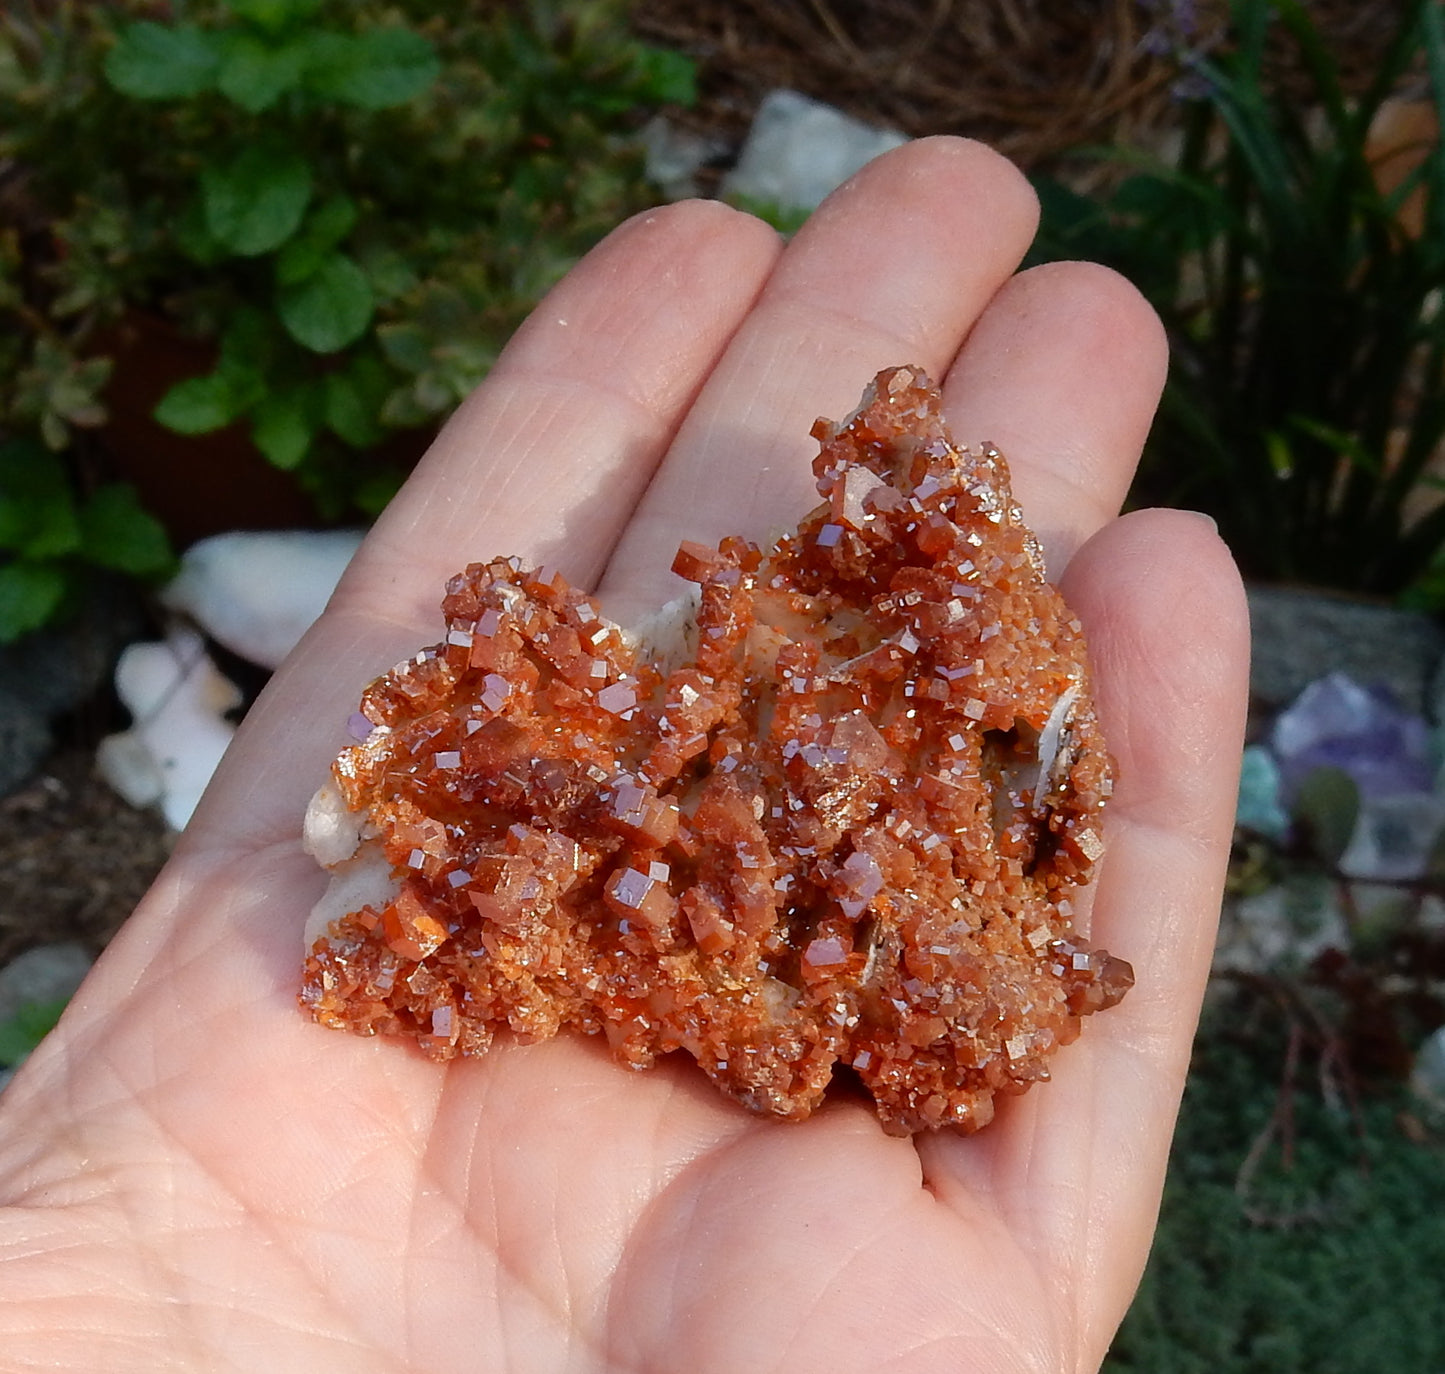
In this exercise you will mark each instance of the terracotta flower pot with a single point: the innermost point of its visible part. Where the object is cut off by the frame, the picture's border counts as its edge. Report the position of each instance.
(194, 484)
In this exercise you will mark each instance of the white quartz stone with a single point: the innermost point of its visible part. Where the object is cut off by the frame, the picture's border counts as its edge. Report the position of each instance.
(366, 880)
(331, 834)
(258, 592)
(178, 700)
(799, 149)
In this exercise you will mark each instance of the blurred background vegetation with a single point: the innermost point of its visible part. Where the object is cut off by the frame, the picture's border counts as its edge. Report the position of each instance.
(274, 242)
(345, 209)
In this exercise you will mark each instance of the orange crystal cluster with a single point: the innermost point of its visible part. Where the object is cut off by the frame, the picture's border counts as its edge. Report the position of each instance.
(847, 830)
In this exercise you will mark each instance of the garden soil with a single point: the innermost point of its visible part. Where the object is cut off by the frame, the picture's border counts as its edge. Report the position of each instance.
(76, 858)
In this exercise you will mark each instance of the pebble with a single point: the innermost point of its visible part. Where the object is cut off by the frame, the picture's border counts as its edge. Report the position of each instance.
(43, 974)
(1299, 636)
(258, 592)
(47, 973)
(799, 150)
(179, 701)
(56, 669)
(24, 741)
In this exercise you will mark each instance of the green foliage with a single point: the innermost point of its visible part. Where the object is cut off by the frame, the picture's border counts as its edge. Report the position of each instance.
(1307, 397)
(330, 307)
(1328, 807)
(154, 62)
(31, 592)
(19, 1035)
(1297, 1236)
(786, 219)
(253, 202)
(49, 536)
(273, 51)
(374, 70)
(354, 203)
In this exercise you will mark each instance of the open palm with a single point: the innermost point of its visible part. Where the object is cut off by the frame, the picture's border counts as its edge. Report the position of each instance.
(194, 1176)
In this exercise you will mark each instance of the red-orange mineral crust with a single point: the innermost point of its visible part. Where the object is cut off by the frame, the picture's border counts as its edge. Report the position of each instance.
(848, 829)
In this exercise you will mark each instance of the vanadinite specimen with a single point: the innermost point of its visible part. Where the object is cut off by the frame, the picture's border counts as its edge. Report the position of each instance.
(844, 826)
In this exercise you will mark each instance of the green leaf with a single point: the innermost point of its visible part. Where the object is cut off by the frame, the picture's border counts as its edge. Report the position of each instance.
(195, 238)
(324, 228)
(199, 405)
(668, 77)
(159, 62)
(37, 508)
(351, 412)
(406, 345)
(255, 75)
(118, 532)
(282, 427)
(248, 345)
(59, 390)
(404, 409)
(54, 431)
(330, 309)
(390, 272)
(786, 219)
(75, 393)
(255, 202)
(21, 1033)
(375, 70)
(376, 489)
(274, 15)
(1281, 460)
(30, 593)
(1328, 802)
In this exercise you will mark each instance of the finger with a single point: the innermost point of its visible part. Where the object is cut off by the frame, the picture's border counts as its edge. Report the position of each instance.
(893, 268)
(1062, 372)
(546, 460)
(1077, 1165)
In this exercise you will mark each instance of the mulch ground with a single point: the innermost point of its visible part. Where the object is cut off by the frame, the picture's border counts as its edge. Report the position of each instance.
(75, 858)
(1034, 78)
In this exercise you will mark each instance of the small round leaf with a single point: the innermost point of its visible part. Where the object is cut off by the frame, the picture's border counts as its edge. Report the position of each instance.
(329, 309)
(255, 75)
(282, 429)
(274, 15)
(198, 405)
(309, 249)
(255, 202)
(30, 593)
(119, 533)
(375, 70)
(161, 62)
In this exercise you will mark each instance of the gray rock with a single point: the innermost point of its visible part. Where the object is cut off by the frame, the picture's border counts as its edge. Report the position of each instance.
(46, 973)
(24, 741)
(1427, 1079)
(1280, 929)
(55, 669)
(675, 156)
(1299, 636)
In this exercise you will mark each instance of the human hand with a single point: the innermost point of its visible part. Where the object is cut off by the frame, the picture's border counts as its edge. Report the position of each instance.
(193, 1176)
